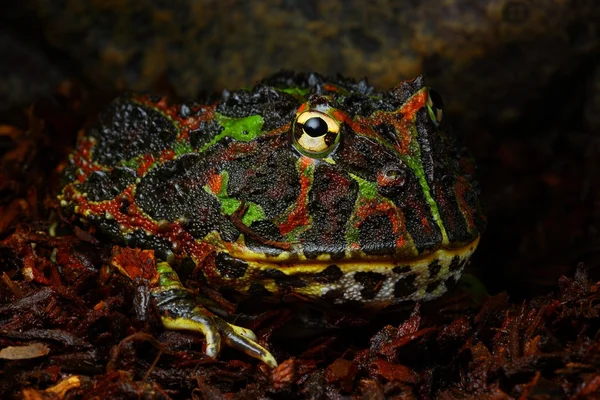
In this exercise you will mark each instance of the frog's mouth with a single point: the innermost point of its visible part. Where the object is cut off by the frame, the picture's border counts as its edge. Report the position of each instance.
(378, 282)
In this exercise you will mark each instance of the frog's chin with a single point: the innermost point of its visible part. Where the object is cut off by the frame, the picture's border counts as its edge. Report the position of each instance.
(374, 282)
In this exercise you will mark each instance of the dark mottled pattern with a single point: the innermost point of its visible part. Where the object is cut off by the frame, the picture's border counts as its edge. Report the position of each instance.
(315, 82)
(124, 206)
(332, 273)
(276, 108)
(405, 286)
(101, 185)
(107, 228)
(455, 264)
(161, 246)
(128, 129)
(432, 286)
(371, 282)
(426, 132)
(205, 132)
(330, 203)
(366, 159)
(282, 279)
(441, 166)
(387, 132)
(376, 235)
(264, 231)
(138, 238)
(402, 92)
(434, 268)
(267, 176)
(230, 267)
(187, 268)
(174, 191)
(402, 269)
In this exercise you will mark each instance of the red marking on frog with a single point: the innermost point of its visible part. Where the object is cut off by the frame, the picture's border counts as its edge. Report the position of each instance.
(332, 88)
(182, 240)
(415, 103)
(215, 183)
(372, 207)
(136, 264)
(299, 215)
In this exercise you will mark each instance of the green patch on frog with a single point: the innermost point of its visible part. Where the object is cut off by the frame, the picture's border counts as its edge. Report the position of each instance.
(230, 205)
(415, 164)
(299, 93)
(133, 163)
(182, 147)
(242, 129)
(366, 188)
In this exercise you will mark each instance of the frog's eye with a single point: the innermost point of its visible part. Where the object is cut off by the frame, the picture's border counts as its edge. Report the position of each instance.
(316, 133)
(435, 105)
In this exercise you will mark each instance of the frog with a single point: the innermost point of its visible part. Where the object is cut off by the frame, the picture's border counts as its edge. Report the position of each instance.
(323, 188)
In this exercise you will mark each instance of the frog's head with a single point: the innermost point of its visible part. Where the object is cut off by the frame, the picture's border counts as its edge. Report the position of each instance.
(348, 193)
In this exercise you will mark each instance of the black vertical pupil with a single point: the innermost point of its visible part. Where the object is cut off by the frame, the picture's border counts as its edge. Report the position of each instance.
(315, 127)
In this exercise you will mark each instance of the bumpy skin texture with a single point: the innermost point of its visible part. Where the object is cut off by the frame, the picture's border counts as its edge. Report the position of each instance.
(387, 214)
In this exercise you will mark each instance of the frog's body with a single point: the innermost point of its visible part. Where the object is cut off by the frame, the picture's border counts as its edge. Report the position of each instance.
(324, 188)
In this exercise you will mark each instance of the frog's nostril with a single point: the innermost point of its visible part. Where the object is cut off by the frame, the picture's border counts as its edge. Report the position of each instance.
(393, 175)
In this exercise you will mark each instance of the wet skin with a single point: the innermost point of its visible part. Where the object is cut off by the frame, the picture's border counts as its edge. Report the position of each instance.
(321, 187)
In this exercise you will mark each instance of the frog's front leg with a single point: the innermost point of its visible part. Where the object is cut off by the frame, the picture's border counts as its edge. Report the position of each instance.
(179, 311)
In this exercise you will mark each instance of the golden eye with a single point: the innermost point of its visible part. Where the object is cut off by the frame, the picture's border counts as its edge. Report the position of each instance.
(316, 133)
(435, 105)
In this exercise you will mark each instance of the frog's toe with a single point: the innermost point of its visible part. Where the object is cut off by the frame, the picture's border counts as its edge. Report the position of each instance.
(199, 320)
(244, 339)
(245, 332)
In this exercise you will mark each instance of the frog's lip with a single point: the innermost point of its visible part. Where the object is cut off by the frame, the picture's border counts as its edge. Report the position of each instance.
(286, 259)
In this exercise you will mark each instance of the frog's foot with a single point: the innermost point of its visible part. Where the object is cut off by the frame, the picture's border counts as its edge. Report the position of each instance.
(180, 312)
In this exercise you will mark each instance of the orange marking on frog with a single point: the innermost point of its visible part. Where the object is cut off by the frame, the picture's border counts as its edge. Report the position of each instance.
(280, 130)
(136, 264)
(192, 122)
(183, 242)
(167, 155)
(332, 88)
(162, 106)
(371, 207)
(402, 121)
(82, 159)
(302, 108)
(360, 125)
(415, 103)
(402, 128)
(215, 183)
(238, 149)
(425, 223)
(145, 163)
(299, 215)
